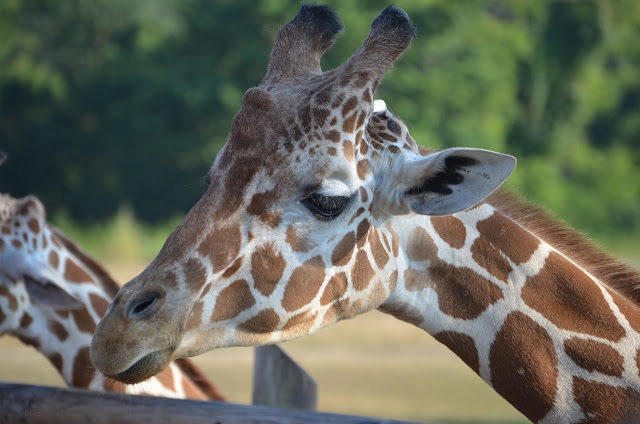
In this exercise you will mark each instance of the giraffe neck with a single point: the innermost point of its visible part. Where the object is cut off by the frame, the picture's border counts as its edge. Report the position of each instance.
(64, 335)
(554, 341)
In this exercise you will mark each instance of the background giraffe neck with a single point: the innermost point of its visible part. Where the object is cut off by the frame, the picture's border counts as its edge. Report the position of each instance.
(521, 311)
(64, 336)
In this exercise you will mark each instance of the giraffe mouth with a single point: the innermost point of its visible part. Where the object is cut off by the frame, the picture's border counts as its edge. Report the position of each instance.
(145, 368)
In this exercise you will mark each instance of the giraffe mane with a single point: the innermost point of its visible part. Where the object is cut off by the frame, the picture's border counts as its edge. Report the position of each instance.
(572, 243)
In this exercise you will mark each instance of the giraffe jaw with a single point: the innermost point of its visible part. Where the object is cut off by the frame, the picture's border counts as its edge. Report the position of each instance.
(145, 368)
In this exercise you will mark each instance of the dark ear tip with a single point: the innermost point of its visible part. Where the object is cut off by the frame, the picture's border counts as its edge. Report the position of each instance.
(323, 18)
(394, 17)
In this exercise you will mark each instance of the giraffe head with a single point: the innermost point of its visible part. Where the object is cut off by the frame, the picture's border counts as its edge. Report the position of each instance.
(287, 238)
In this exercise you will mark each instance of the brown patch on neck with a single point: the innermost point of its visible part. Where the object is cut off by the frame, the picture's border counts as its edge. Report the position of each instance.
(420, 246)
(13, 302)
(82, 368)
(595, 356)
(105, 280)
(56, 361)
(58, 330)
(606, 404)
(524, 367)
(508, 237)
(25, 320)
(461, 292)
(571, 300)
(450, 229)
(463, 346)
(403, 311)
(83, 320)
(582, 251)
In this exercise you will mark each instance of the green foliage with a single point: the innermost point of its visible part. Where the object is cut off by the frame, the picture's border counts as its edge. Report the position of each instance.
(110, 102)
(121, 238)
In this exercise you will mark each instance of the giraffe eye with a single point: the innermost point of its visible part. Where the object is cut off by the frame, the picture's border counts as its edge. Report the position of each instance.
(325, 207)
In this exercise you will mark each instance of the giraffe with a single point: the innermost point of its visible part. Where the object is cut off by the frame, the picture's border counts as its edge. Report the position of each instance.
(321, 206)
(52, 296)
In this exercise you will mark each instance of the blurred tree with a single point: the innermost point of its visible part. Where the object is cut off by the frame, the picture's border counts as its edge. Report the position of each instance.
(110, 102)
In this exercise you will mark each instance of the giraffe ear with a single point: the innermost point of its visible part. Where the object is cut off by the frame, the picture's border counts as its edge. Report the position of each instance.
(445, 182)
(51, 294)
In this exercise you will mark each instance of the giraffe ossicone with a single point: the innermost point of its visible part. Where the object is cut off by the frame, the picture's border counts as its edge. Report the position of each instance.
(321, 206)
(52, 296)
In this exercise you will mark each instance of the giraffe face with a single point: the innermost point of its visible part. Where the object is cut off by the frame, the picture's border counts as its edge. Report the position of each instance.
(290, 235)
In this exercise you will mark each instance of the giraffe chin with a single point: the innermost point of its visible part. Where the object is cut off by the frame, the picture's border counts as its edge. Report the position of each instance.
(145, 368)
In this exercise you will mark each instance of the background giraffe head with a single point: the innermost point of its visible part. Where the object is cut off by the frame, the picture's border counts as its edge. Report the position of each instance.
(52, 296)
(286, 238)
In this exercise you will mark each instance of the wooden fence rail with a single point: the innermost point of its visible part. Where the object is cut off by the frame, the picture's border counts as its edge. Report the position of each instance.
(50, 405)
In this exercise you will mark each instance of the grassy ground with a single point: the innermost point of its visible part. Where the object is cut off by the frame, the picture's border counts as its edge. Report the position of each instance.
(372, 365)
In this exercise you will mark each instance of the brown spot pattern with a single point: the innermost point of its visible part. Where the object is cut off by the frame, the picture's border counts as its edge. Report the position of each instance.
(571, 300)
(301, 322)
(594, 356)
(34, 225)
(450, 229)
(100, 305)
(461, 292)
(304, 284)
(420, 246)
(488, 257)
(403, 311)
(53, 259)
(348, 150)
(378, 251)
(82, 368)
(56, 360)
(463, 346)
(362, 272)
(266, 321)
(75, 274)
(232, 300)
(221, 246)
(606, 404)
(13, 302)
(233, 268)
(25, 320)
(58, 330)
(195, 274)
(335, 289)
(267, 267)
(344, 250)
(83, 320)
(524, 366)
(508, 237)
(297, 243)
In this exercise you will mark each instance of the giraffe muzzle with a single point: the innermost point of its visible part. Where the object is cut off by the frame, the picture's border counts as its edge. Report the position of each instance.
(145, 368)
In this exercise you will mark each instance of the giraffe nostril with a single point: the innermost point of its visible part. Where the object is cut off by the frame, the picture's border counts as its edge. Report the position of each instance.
(143, 306)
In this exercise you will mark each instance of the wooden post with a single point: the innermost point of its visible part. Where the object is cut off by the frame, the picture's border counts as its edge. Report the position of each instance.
(278, 381)
(22, 404)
